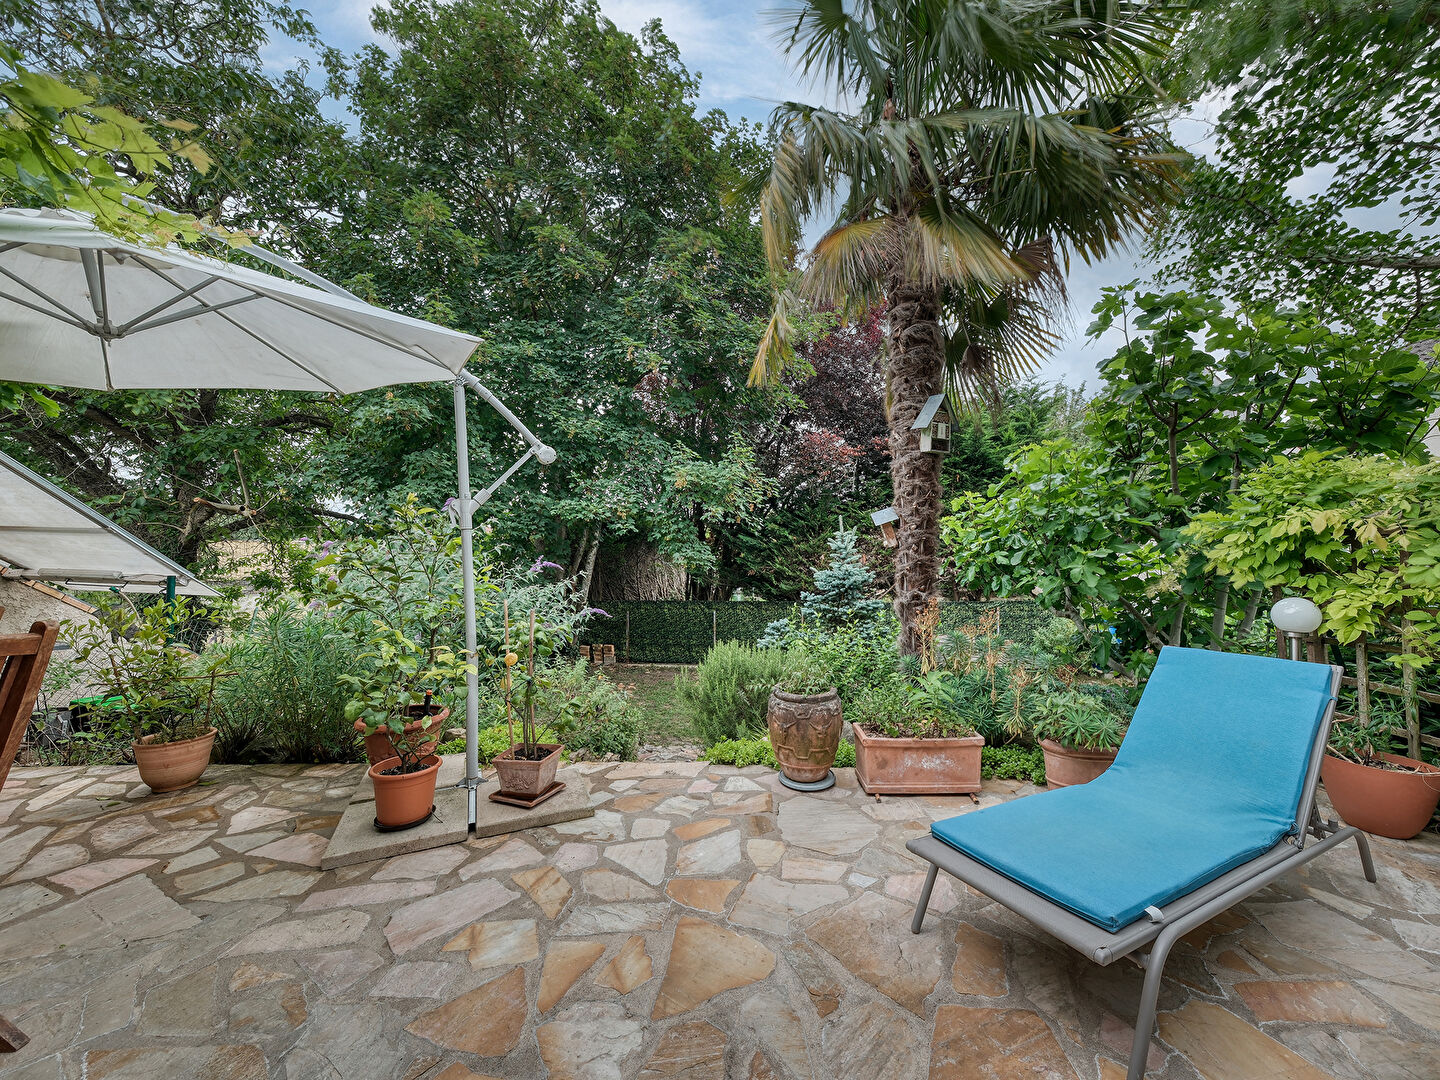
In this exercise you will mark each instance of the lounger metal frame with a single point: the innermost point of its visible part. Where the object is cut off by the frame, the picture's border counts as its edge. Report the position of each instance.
(1177, 918)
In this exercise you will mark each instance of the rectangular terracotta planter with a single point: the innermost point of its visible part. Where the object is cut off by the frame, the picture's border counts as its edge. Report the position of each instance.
(917, 766)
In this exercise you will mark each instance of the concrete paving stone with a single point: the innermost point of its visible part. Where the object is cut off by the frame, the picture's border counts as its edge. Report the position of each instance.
(693, 1051)
(422, 865)
(907, 888)
(645, 828)
(741, 806)
(172, 842)
(607, 886)
(706, 960)
(778, 1029)
(1418, 935)
(90, 876)
(1336, 938)
(249, 975)
(184, 1007)
(565, 963)
(367, 895)
(497, 944)
(1421, 1006)
(636, 804)
(345, 1040)
(871, 938)
(643, 770)
(17, 847)
(646, 859)
(589, 1041)
(702, 894)
(824, 827)
(257, 817)
(546, 887)
(682, 806)
(800, 868)
(1387, 1057)
(772, 905)
(112, 835)
(245, 841)
(356, 840)
(603, 826)
(486, 1021)
(694, 830)
(419, 922)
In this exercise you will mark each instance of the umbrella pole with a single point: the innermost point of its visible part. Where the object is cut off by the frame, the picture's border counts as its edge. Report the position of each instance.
(467, 556)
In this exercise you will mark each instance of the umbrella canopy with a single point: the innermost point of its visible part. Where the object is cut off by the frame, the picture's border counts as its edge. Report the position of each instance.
(82, 308)
(48, 534)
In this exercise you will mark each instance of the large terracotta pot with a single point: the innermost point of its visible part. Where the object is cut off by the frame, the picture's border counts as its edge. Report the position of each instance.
(916, 766)
(805, 733)
(173, 765)
(404, 798)
(378, 747)
(526, 778)
(1386, 802)
(1065, 767)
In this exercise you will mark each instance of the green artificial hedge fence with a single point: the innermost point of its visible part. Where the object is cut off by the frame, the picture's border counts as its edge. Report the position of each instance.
(682, 631)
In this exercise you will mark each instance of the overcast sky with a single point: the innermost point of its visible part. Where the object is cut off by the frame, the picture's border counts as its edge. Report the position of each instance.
(729, 43)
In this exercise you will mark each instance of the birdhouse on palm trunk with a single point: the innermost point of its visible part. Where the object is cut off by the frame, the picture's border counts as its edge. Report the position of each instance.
(886, 520)
(933, 423)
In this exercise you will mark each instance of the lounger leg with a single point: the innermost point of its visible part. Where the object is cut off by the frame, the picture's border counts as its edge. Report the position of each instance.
(1363, 843)
(924, 901)
(1149, 996)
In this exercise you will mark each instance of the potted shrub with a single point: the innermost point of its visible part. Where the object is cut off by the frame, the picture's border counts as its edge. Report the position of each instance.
(527, 769)
(165, 692)
(400, 675)
(1078, 734)
(1374, 789)
(912, 738)
(805, 720)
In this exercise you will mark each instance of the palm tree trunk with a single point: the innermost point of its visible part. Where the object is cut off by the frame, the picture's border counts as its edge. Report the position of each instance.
(914, 366)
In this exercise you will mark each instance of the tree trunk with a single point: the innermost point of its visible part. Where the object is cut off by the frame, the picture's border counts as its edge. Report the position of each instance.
(914, 372)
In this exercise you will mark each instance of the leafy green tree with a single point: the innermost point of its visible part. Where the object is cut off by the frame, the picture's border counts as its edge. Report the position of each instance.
(1193, 402)
(535, 176)
(1324, 183)
(983, 146)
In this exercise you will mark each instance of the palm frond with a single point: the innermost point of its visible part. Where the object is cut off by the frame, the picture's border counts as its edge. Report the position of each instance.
(777, 345)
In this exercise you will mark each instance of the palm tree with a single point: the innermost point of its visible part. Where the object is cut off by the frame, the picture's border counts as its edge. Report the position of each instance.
(980, 144)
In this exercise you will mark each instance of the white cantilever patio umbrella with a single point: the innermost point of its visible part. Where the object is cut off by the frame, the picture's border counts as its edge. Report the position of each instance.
(82, 308)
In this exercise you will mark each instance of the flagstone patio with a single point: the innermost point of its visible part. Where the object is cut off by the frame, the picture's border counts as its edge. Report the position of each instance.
(705, 923)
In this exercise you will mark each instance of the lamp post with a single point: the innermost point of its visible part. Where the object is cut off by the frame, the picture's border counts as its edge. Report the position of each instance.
(1294, 616)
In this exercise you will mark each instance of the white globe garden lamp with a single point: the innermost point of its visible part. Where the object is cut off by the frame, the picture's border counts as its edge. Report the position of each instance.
(1294, 616)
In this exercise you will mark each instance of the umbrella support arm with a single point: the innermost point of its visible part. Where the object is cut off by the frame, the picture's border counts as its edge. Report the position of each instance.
(462, 510)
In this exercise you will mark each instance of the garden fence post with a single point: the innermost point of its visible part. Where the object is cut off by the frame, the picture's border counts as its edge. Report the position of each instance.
(1362, 681)
(627, 637)
(1412, 703)
(714, 627)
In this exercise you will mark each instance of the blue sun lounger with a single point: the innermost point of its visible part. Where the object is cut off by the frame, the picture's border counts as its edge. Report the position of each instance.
(1210, 799)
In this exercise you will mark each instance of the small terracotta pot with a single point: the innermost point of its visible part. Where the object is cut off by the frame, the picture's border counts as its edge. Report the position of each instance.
(523, 777)
(1065, 767)
(378, 747)
(404, 798)
(916, 766)
(1385, 802)
(805, 733)
(175, 765)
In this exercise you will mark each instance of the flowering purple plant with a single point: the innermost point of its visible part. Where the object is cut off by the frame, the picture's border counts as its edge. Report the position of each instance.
(542, 564)
(595, 611)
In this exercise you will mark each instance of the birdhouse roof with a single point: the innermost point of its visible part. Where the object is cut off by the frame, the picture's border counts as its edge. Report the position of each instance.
(927, 414)
(880, 517)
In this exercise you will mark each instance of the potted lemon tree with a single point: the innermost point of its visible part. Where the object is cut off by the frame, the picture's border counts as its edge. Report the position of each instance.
(399, 675)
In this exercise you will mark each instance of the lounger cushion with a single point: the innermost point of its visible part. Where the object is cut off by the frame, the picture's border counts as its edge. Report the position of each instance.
(1209, 776)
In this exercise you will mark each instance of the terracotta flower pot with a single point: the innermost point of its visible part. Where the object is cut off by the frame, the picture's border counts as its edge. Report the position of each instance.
(916, 766)
(523, 777)
(171, 766)
(805, 733)
(404, 798)
(1065, 767)
(1386, 802)
(378, 747)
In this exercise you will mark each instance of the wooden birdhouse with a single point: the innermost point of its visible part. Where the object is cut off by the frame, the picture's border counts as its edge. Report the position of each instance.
(933, 423)
(886, 520)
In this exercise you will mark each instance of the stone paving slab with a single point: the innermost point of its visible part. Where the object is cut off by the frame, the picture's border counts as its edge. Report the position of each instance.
(356, 840)
(703, 924)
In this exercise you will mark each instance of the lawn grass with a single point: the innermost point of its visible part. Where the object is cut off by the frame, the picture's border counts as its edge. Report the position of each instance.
(667, 720)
